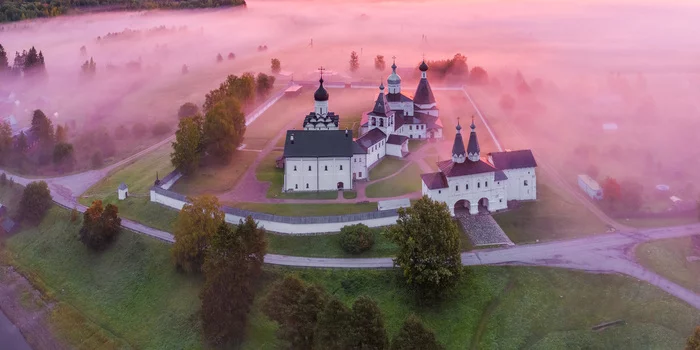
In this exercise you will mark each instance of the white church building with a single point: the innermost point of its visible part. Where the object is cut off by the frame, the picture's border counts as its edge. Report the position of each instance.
(323, 158)
(471, 183)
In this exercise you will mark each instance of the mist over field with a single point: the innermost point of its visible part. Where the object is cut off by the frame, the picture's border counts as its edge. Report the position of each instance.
(588, 63)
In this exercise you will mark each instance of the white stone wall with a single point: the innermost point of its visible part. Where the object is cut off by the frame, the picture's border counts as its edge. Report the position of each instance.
(376, 152)
(406, 107)
(414, 131)
(393, 150)
(517, 189)
(317, 174)
(359, 166)
(321, 107)
(283, 227)
(479, 186)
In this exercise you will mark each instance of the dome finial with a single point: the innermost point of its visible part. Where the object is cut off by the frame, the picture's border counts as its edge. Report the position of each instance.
(381, 86)
(459, 127)
(473, 126)
(393, 65)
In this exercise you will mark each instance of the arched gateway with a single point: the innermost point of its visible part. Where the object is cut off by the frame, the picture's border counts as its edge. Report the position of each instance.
(462, 206)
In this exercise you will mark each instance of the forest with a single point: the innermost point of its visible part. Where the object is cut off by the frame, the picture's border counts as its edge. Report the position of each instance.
(17, 10)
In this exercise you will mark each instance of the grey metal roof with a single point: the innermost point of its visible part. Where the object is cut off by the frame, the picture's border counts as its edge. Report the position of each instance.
(514, 159)
(458, 145)
(500, 176)
(473, 146)
(452, 169)
(370, 138)
(424, 94)
(318, 143)
(395, 139)
(381, 106)
(434, 181)
(122, 186)
(321, 94)
(357, 149)
(398, 98)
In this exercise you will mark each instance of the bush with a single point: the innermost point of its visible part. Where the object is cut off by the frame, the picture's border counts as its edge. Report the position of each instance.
(356, 239)
(35, 202)
(160, 129)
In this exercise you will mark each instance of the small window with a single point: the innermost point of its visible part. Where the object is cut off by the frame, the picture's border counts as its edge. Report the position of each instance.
(467, 186)
(307, 185)
(439, 191)
(456, 188)
(486, 184)
(295, 168)
(525, 183)
(478, 185)
(296, 186)
(360, 174)
(410, 127)
(341, 167)
(309, 170)
(325, 168)
(500, 200)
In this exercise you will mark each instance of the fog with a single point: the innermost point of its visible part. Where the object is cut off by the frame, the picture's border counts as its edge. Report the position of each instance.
(633, 63)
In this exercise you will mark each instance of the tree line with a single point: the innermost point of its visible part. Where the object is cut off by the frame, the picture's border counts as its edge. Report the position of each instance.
(29, 62)
(218, 131)
(17, 10)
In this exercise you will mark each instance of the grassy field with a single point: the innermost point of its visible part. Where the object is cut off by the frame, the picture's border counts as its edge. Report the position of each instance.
(668, 258)
(658, 222)
(406, 182)
(314, 209)
(268, 172)
(139, 176)
(216, 178)
(326, 246)
(349, 194)
(553, 216)
(414, 145)
(131, 296)
(386, 167)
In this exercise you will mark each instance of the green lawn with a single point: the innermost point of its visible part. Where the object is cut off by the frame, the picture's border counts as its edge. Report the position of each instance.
(553, 216)
(432, 162)
(349, 194)
(414, 145)
(386, 167)
(131, 294)
(326, 246)
(139, 177)
(213, 179)
(268, 172)
(668, 258)
(660, 222)
(406, 182)
(314, 209)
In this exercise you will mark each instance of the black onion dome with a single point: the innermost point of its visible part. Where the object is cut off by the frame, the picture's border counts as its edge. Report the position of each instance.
(423, 67)
(321, 94)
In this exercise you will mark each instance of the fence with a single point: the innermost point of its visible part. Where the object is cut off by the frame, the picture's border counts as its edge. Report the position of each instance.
(285, 224)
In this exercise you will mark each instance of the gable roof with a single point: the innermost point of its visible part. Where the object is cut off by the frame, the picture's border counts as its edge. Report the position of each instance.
(514, 159)
(395, 139)
(424, 94)
(434, 181)
(371, 138)
(381, 106)
(452, 169)
(318, 143)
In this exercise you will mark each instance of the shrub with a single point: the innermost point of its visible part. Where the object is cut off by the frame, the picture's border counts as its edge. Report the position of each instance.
(355, 239)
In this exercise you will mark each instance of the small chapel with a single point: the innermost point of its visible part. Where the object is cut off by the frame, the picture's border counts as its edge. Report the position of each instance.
(320, 157)
(473, 184)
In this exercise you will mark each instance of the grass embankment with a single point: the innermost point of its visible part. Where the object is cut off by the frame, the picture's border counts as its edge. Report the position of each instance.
(131, 294)
(670, 258)
(284, 209)
(386, 167)
(214, 179)
(554, 215)
(408, 181)
(268, 172)
(139, 176)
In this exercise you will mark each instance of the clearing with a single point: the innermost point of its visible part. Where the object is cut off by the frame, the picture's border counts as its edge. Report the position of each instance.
(408, 181)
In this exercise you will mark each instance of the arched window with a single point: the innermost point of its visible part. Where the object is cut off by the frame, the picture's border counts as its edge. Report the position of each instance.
(525, 183)
(296, 186)
(374, 121)
(307, 185)
(381, 121)
(478, 185)
(456, 187)
(486, 184)
(325, 168)
(467, 186)
(295, 168)
(309, 169)
(341, 167)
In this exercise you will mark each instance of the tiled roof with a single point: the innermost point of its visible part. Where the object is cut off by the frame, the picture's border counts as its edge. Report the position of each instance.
(514, 159)
(318, 143)
(451, 169)
(395, 139)
(370, 138)
(434, 181)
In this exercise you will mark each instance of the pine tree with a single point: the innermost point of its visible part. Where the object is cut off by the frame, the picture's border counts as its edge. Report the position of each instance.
(414, 336)
(22, 142)
(332, 326)
(367, 326)
(4, 63)
(42, 128)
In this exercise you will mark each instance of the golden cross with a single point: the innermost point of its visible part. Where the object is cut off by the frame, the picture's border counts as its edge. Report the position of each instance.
(321, 70)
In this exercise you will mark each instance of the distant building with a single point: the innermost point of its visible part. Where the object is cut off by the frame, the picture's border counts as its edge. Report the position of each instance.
(123, 191)
(590, 187)
(293, 91)
(469, 182)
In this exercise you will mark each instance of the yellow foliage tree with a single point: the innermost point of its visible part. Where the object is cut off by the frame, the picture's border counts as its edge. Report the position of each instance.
(195, 226)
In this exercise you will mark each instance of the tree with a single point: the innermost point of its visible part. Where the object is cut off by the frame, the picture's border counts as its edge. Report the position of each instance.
(428, 243)
(241, 88)
(355, 239)
(219, 58)
(188, 109)
(4, 63)
(100, 225)
(295, 307)
(89, 68)
(5, 140)
(264, 84)
(61, 134)
(478, 76)
(354, 62)
(693, 342)
(63, 153)
(35, 202)
(275, 66)
(231, 56)
(332, 326)
(224, 127)
(196, 223)
(188, 144)
(22, 144)
(414, 336)
(229, 271)
(42, 128)
(611, 191)
(367, 326)
(379, 63)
